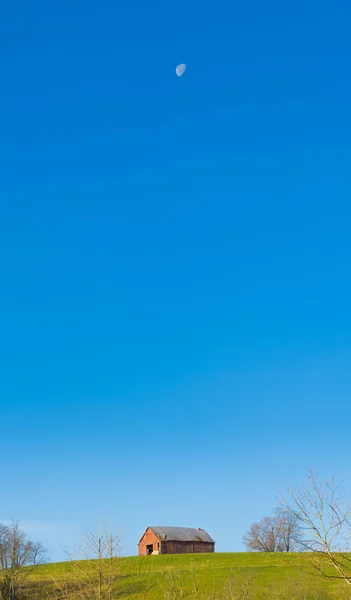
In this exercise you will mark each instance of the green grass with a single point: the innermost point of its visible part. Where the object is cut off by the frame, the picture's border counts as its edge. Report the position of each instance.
(148, 577)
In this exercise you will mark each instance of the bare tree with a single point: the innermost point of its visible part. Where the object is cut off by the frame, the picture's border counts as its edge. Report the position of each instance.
(19, 555)
(323, 511)
(96, 570)
(264, 536)
(289, 530)
(279, 533)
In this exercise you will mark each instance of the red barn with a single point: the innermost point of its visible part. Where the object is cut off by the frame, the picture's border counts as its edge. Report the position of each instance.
(175, 540)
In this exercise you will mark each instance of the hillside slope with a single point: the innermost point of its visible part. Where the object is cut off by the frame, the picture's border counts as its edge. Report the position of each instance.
(178, 576)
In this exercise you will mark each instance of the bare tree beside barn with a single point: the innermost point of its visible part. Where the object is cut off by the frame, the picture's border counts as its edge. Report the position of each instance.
(263, 536)
(278, 533)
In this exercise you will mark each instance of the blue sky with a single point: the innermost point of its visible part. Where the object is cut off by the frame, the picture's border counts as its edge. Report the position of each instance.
(175, 275)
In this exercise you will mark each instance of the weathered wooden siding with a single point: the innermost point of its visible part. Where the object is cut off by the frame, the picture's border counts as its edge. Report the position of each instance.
(148, 538)
(169, 547)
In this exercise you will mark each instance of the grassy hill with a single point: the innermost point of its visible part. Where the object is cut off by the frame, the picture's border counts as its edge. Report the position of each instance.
(199, 576)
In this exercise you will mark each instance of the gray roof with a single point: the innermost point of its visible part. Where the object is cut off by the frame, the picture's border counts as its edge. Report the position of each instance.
(182, 534)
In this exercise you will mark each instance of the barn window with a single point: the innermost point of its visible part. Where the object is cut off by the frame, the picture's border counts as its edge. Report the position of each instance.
(158, 545)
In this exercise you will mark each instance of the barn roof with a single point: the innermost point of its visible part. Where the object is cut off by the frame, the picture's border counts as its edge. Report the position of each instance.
(182, 534)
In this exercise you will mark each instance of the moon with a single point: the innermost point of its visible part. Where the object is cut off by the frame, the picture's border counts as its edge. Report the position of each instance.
(180, 69)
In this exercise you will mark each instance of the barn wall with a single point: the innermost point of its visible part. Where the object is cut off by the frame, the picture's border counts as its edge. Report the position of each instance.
(186, 547)
(148, 538)
(203, 547)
